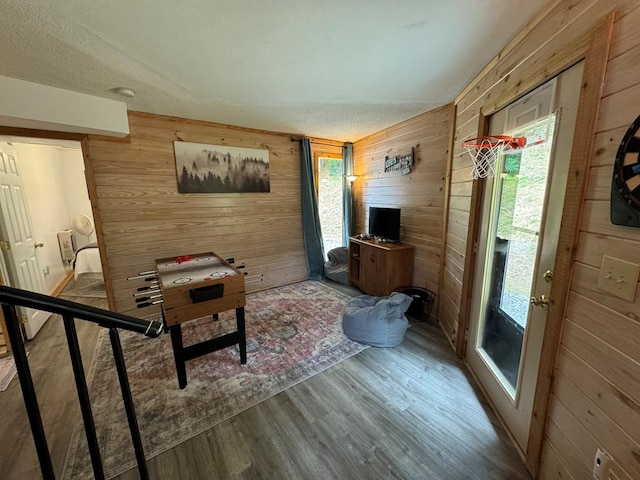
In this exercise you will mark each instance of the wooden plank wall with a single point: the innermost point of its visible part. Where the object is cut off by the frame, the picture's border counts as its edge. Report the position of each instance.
(420, 194)
(143, 217)
(595, 400)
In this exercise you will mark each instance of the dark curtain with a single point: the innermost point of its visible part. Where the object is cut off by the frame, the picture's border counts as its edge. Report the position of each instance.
(311, 230)
(347, 193)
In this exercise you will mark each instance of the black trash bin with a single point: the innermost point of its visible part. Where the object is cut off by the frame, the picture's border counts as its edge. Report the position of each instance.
(420, 308)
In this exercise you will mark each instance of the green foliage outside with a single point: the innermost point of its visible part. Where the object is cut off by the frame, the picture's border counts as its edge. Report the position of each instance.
(330, 181)
(523, 184)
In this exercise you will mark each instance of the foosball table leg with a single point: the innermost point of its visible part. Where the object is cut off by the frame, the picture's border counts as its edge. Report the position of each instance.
(178, 354)
(242, 336)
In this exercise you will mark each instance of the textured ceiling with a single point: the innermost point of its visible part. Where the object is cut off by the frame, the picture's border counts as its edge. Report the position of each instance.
(325, 68)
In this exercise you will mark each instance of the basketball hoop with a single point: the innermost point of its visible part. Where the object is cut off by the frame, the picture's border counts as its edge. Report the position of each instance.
(485, 151)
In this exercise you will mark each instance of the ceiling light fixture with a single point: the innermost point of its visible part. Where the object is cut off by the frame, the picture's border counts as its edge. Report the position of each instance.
(124, 92)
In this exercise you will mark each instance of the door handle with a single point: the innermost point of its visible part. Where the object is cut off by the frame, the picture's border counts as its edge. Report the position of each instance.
(543, 301)
(38, 245)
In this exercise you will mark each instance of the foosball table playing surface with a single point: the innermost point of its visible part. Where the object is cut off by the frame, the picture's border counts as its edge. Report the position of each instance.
(195, 286)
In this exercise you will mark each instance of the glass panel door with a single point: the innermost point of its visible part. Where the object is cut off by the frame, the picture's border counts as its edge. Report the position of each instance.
(519, 197)
(516, 246)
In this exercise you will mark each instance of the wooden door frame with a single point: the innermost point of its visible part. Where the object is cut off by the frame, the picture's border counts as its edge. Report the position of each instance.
(592, 47)
(83, 139)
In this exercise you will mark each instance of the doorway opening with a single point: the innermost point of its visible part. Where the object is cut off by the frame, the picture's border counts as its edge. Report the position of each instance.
(519, 196)
(330, 185)
(517, 245)
(45, 217)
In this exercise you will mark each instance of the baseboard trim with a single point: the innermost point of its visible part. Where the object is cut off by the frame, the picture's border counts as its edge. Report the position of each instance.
(62, 283)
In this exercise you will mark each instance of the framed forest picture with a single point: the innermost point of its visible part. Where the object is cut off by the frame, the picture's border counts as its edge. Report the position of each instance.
(204, 168)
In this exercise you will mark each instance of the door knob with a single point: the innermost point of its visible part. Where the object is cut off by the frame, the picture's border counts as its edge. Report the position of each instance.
(543, 301)
(548, 276)
(38, 245)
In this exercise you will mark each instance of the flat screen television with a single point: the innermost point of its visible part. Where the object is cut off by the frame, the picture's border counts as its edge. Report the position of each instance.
(385, 223)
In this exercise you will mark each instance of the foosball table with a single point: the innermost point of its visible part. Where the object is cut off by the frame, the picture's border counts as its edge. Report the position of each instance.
(195, 286)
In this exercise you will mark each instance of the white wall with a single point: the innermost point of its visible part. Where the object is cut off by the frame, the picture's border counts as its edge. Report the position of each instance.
(56, 190)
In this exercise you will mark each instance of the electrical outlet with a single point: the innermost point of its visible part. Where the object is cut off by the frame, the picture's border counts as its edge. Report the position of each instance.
(601, 465)
(618, 278)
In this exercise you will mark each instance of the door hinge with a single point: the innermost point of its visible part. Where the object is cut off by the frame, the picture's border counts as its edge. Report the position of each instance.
(475, 246)
(22, 318)
(466, 334)
(5, 246)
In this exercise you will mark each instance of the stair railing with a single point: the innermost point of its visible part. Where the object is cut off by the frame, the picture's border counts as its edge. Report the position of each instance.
(10, 298)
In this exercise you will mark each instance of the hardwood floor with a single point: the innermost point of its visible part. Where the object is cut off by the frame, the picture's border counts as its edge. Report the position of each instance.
(406, 412)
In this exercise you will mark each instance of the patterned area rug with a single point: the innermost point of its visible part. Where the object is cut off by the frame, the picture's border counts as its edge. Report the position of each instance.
(85, 286)
(7, 372)
(293, 333)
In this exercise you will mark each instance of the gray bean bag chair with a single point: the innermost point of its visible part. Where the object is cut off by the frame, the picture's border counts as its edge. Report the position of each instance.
(377, 321)
(337, 268)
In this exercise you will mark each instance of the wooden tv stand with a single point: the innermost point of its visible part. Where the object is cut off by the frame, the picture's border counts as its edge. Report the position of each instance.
(379, 268)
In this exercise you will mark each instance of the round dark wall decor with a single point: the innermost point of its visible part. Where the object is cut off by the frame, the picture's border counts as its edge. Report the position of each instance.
(625, 184)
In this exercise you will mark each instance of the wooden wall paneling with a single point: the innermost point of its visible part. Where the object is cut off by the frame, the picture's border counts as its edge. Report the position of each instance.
(596, 219)
(448, 318)
(557, 442)
(579, 438)
(602, 333)
(581, 154)
(592, 247)
(458, 230)
(97, 220)
(619, 107)
(610, 437)
(550, 31)
(625, 68)
(143, 217)
(469, 261)
(546, 63)
(420, 195)
(606, 146)
(476, 88)
(626, 35)
(599, 183)
(585, 279)
(581, 442)
(560, 35)
(620, 407)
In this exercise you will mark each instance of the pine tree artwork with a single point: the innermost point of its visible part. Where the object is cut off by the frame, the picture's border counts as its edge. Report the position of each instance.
(204, 168)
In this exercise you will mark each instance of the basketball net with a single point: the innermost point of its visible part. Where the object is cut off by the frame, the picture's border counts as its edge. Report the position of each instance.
(484, 159)
(484, 152)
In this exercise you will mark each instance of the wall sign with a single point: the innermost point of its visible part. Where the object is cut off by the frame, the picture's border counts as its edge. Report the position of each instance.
(399, 162)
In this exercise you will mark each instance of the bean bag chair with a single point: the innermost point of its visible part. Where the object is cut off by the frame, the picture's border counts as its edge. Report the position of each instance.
(376, 321)
(337, 268)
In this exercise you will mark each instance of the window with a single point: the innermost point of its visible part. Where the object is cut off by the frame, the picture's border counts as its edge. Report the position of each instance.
(329, 182)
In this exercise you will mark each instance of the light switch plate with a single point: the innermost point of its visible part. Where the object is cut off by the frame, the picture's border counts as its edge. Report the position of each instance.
(618, 277)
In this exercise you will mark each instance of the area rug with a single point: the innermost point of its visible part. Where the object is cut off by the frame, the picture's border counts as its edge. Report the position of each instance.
(7, 372)
(293, 333)
(85, 286)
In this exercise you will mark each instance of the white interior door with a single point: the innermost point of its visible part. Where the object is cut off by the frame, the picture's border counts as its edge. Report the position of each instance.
(522, 208)
(19, 244)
